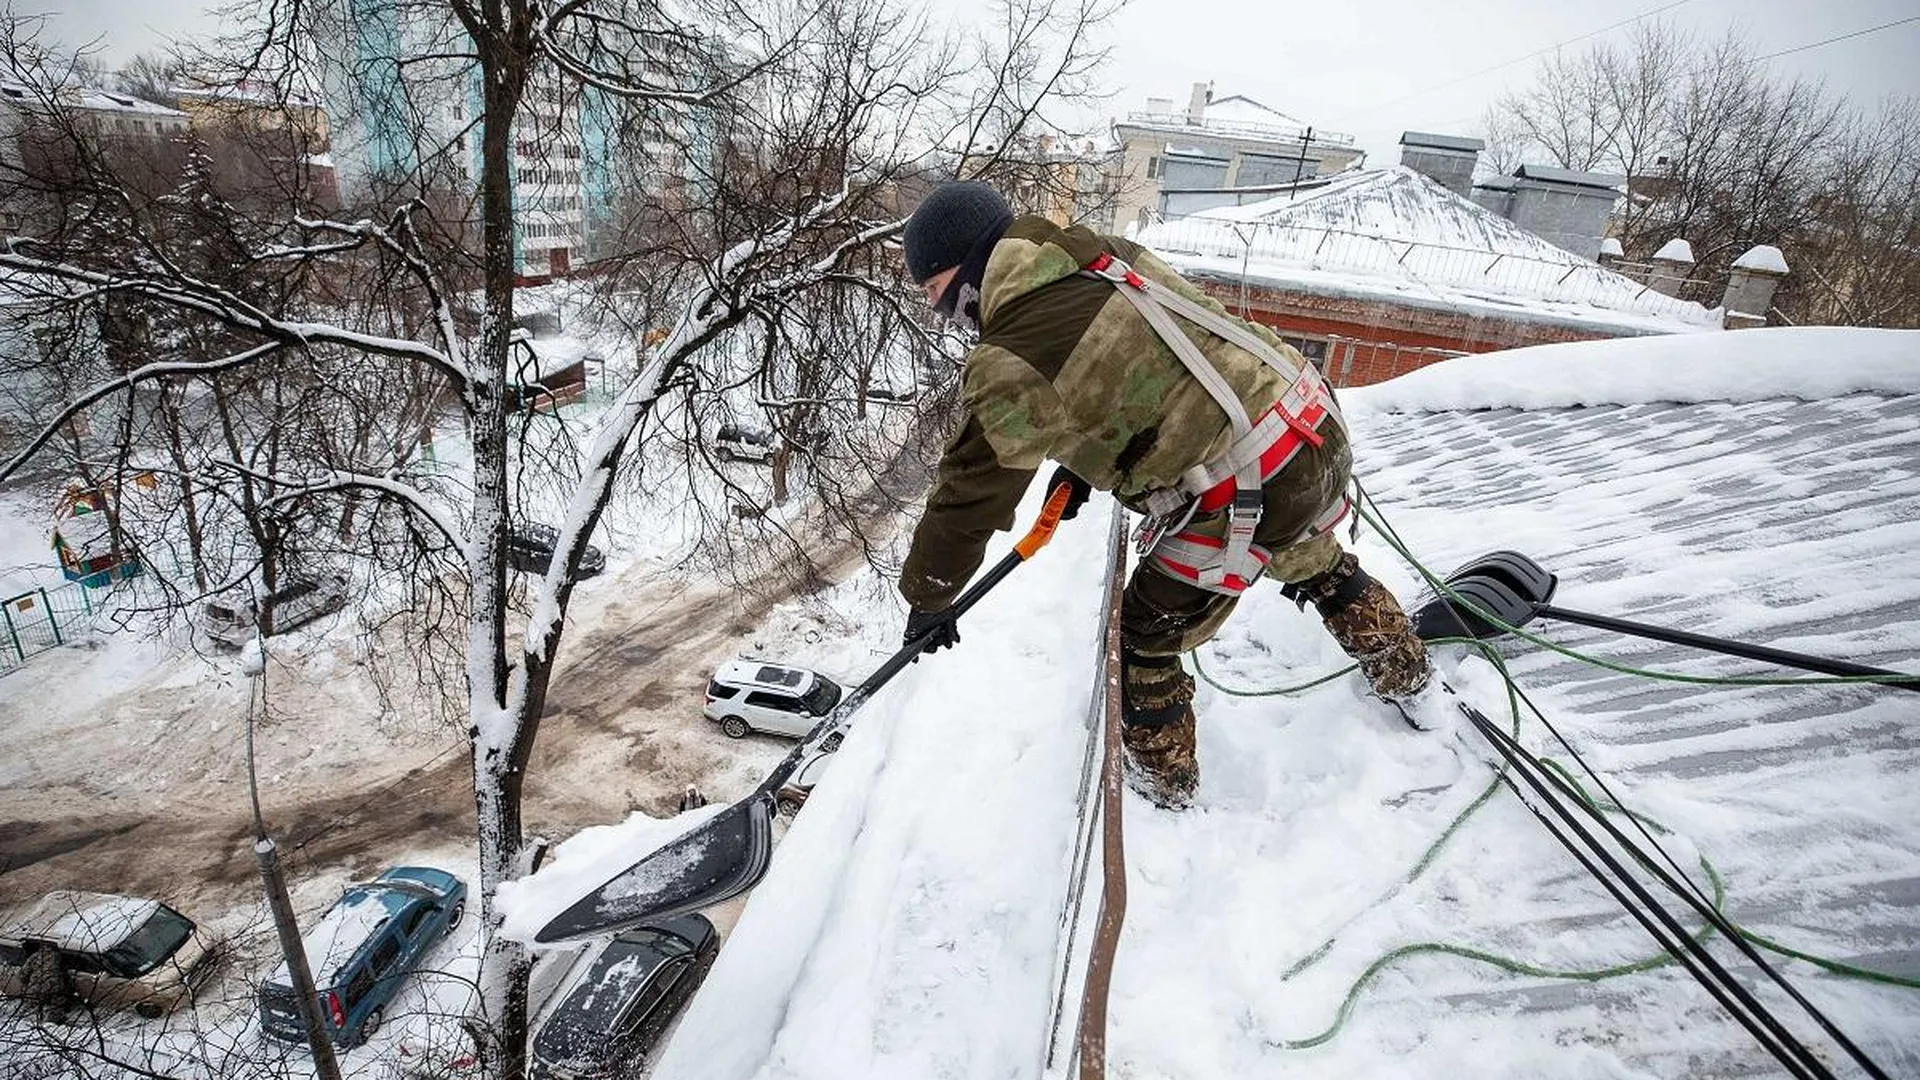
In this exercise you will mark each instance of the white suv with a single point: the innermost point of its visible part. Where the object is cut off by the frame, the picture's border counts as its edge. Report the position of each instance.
(749, 695)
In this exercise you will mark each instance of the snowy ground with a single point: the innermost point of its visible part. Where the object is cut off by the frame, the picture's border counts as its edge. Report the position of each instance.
(910, 923)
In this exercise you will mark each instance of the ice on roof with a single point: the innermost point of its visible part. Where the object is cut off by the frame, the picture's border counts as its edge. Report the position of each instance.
(1396, 234)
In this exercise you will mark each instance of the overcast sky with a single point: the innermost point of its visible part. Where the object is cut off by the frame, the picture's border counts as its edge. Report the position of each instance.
(1370, 68)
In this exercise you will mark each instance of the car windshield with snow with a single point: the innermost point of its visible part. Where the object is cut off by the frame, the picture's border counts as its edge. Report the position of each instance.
(118, 951)
(362, 949)
(618, 1001)
(745, 696)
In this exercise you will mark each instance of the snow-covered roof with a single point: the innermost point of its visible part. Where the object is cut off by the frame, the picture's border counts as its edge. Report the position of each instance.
(1396, 234)
(550, 356)
(911, 923)
(89, 98)
(251, 92)
(1236, 116)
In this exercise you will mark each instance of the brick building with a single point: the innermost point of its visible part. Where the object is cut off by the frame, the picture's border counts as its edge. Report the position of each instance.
(1373, 274)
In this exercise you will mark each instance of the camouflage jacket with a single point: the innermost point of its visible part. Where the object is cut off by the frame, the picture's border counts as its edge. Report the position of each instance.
(1067, 370)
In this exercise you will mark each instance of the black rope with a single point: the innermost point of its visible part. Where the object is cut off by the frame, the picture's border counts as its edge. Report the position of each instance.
(1658, 921)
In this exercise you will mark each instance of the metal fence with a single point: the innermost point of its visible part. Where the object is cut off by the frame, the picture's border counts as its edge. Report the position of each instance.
(33, 622)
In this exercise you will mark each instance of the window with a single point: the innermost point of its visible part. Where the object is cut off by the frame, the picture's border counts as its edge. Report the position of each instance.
(384, 955)
(721, 690)
(1153, 168)
(358, 986)
(414, 920)
(779, 702)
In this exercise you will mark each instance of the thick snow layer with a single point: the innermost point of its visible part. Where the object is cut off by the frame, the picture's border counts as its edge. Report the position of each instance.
(1739, 365)
(1675, 250)
(1762, 257)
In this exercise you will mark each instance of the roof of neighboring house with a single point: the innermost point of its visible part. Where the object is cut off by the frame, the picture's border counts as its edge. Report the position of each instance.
(1553, 175)
(1394, 234)
(89, 98)
(1236, 116)
(1442, 142)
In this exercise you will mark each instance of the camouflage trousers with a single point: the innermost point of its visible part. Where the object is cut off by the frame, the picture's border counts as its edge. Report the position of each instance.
(1162, 616)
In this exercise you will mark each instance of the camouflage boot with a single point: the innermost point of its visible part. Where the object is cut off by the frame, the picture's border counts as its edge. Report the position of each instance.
(1157, 730)
(1371, 627)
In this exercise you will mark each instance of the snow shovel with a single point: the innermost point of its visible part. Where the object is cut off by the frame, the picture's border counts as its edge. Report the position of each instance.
(728, 854)
(1513, 589)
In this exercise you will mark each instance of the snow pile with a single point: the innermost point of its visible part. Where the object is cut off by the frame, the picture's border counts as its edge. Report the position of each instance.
(1808, 363)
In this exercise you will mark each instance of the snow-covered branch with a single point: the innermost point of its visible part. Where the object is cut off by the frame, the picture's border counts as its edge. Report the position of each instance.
(226, 308)
(127, 382)
(288, 489)
(409, 254)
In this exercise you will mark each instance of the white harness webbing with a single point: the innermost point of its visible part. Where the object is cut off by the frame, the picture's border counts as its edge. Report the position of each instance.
(1249, 460)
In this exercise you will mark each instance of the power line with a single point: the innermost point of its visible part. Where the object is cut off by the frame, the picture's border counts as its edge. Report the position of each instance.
(1531, 55)
(1842, 37)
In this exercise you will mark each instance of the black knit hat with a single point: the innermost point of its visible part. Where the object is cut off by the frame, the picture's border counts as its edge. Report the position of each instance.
(946, 224)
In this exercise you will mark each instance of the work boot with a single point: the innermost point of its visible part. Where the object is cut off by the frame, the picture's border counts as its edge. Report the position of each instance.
(1160, 760)
(1370, 626)
(1157, 730)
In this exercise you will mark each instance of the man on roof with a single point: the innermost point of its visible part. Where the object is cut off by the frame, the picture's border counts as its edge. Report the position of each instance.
(1094, 354)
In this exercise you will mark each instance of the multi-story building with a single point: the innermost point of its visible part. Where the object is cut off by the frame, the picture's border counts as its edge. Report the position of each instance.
(1172, 162)
(110, 120)
(260, 134)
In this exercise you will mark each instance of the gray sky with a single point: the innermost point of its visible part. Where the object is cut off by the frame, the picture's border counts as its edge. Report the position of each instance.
(1371, 68)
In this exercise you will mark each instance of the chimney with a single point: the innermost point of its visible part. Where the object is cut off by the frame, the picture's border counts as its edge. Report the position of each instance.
(1197, 104)
(1447, 159)
(1750, 287)
(1671, 265)
(1611, 253)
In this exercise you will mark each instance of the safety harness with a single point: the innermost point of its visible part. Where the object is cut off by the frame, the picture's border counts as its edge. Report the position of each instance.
(1261, 446)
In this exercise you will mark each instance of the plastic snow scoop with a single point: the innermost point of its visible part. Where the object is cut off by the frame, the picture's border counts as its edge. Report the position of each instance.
(729, 853)
(1514, 589)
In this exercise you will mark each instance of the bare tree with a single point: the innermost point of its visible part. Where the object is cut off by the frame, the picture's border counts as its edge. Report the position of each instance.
(762, 269)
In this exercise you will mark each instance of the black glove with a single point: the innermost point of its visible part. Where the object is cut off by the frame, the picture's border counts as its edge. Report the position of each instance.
(1077, 498)
(942, 625)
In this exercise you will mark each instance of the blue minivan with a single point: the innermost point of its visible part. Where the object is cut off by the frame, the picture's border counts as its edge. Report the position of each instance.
(361, 950)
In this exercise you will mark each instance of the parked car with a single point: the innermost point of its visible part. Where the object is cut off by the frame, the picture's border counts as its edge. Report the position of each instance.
(745, 696)
(530, 549)
(118, 951)
(293, 605)
(793, 794)
(735, 442)
(362, 949)
(618, 999)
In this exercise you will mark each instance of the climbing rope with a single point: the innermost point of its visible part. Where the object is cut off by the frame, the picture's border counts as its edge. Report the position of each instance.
(1611, 805)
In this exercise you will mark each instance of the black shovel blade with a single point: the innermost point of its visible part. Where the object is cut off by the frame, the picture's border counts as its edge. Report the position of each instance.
(1507, 585)
(720, 859)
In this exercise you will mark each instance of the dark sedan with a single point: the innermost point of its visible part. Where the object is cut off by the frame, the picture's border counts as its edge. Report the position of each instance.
(530, 549)
(616, 1003)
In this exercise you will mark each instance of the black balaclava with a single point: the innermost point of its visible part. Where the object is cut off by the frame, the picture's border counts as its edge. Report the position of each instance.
(961, 302)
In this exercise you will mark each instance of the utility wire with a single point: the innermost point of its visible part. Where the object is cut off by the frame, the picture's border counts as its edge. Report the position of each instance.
(1842, 37)
(1522, 59)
